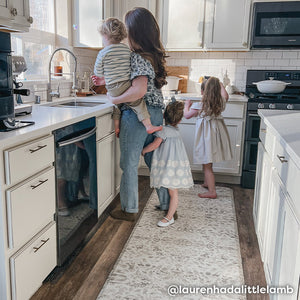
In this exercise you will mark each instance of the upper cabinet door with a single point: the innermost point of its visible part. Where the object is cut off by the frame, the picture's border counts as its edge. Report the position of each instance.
(14, 15)
(86, 16)
(227, 24)
(121, 7)
(182, 24)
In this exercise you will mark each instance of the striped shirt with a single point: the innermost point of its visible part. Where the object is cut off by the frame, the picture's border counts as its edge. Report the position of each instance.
(113, 62)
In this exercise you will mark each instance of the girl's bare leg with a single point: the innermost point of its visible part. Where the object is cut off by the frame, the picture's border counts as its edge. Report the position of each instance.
(173, 205)
(210, 180)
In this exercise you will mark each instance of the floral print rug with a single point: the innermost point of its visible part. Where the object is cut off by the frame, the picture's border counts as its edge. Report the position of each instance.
(198, 257)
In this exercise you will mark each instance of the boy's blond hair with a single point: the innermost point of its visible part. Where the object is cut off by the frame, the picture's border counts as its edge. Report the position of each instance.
(114, 29)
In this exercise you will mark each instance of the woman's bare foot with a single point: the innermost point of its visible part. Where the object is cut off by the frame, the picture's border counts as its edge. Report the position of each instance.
(212, 195)
(150, 129)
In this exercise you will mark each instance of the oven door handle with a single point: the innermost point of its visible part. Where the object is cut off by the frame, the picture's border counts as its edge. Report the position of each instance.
(77, 138)
(253, 115)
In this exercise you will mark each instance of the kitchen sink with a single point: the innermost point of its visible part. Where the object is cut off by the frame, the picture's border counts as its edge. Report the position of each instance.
(78, 103)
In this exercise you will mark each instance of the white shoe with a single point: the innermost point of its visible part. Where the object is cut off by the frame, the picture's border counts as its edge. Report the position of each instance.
(165, 224)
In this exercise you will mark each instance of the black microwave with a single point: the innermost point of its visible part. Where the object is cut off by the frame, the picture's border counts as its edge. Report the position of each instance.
(276, 25)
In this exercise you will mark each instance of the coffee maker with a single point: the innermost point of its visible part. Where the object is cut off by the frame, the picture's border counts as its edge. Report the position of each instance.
(7, 112)
(6, 81)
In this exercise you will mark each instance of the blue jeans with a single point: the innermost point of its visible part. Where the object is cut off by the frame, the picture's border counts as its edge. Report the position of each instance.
(133, 138)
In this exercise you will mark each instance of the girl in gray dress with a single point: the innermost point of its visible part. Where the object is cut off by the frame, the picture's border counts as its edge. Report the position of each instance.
(170, 167)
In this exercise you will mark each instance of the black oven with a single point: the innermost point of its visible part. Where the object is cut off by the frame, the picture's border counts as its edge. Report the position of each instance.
(289, 99)
(276, 24)
(6, 80)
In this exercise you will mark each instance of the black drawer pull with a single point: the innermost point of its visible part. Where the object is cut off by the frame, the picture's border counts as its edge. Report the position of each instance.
(42, 244)
(40, 183)
(37, 149)
(282, 159)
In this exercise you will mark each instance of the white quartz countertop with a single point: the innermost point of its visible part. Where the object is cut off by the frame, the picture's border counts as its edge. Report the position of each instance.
(286, 127)
(198, 97)
(49, 118)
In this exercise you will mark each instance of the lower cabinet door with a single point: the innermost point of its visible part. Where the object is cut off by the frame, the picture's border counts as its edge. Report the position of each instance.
(32, 263)
(105, 171)
(289, 264)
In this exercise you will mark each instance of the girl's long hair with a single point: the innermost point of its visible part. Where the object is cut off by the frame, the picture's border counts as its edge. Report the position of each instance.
(144, 38)
(212, 101)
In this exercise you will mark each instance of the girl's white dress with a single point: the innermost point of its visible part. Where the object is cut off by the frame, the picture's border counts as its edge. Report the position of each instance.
(170, 166)
(212, 142)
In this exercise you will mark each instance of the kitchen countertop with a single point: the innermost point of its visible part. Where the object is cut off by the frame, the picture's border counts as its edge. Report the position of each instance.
(197, 97)
(48, 118)
(285, 125)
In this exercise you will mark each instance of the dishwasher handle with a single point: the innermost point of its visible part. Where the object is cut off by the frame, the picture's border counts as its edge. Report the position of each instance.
(77, 138)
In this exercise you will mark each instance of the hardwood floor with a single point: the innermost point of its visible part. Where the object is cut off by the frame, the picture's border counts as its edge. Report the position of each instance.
(84, 274)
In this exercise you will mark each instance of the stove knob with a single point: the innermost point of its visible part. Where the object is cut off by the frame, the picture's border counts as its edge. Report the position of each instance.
(272, 106)
(260, 105)
(290, 106)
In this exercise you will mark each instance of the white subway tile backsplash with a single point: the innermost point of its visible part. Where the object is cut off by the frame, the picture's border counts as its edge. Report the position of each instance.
(281, 62)
(260, 54)
(266, 62)
(274, 54)
(294, 62)
(290, 54)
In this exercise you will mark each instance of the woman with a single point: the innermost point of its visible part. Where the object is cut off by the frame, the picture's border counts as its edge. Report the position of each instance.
(148, 76)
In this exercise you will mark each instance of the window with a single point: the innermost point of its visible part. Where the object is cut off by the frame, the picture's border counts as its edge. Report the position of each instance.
(37, 45)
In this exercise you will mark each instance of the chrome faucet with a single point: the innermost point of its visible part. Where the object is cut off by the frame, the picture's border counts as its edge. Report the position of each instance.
(51, 93)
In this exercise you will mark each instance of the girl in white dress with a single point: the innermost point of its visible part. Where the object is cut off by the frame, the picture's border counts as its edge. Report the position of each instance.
(170, 167)
(212, 143)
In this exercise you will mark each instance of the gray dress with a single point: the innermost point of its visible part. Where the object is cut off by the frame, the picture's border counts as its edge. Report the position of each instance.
(170, 167)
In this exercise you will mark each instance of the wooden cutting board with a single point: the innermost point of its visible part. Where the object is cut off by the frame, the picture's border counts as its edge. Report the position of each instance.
(182, 72)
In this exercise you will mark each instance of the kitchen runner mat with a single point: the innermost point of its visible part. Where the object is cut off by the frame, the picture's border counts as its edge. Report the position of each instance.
(201, 249)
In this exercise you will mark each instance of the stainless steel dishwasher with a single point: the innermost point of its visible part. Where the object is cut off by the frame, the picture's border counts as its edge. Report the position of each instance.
(76, 185)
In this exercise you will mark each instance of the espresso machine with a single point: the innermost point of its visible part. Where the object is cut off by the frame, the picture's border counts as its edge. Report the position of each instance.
(7, 103)
(19, 66)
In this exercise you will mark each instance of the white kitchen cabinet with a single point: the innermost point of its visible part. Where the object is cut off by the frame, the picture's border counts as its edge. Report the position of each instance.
(24, 199)
(29, 238)
(182, 24)
(234, 118)
(15, 15)
(289, 273)
(262, 187)
(87, 15)
(118, 170)
(235, 129)
(105, 171)
(121, 7)
(227, 24)
(276, 212)
(274, 226)
(32, 263)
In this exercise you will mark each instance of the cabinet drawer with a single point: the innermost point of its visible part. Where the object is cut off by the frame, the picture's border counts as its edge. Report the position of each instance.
(31, 264)
(234, 111)
(30, 207)
(27, 159)
(104, 126)
(288, 173)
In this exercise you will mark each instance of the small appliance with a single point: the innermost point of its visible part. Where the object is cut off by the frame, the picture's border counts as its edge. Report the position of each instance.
(276, 25)
(7, 113)
(288, 99)
(19, 66)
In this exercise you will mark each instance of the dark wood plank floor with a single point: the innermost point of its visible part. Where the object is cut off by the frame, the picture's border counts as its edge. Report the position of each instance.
(84, 274)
